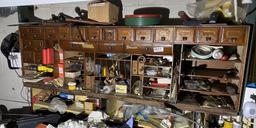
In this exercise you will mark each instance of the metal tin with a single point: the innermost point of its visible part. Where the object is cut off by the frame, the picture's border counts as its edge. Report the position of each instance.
(142, 19)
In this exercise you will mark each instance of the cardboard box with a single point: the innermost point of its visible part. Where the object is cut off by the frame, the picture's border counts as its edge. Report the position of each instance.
(89, 106)
(89, 82)
(103, 12)
(121, 89)
(135, 67)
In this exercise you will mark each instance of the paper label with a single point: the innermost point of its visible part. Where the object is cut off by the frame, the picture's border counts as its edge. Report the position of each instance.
(158, 49)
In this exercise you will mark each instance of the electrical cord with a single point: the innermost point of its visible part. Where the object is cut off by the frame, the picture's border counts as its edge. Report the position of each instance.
(249, 13)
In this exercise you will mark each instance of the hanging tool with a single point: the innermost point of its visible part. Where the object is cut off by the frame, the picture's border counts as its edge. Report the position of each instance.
(81, 13)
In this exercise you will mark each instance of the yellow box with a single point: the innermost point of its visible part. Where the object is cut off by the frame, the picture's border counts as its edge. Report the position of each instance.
(80, 98)
(121, 89)
(89, 106)
(103, 12)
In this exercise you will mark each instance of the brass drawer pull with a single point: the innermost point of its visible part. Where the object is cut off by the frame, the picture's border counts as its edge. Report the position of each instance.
(233, 39)
(163, 38)
(184, 38)
(208, 38)
(123, 37)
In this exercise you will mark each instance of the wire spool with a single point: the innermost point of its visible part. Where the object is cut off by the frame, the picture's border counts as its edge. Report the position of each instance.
(108, 89)
(217, 54)
(201, 52)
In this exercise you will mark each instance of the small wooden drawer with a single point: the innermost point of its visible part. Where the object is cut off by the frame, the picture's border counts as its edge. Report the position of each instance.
(24, 32)
(38, 44)
(90, 47)
(162, 50)
(164, 35)
(37, 33)
(28, 57)
(138, 48)
(65, 33)
(51, 43)
(208, 35)
(94, 34)
(33, 44)
(143, 35)
(27, 45)
(125, 34)
(185, 35)
(51, 33)
(233, 35)
(109, 34)
(111, 47)
(78, 34)
(38, 57)
(72, 46)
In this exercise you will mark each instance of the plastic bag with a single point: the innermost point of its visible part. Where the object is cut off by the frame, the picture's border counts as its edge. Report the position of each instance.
(57, 105)
(203, 9)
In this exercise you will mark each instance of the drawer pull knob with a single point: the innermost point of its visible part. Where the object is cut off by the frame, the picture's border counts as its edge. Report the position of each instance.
(109, 47)
(184, 38)
(142, 38)
(124, 38)
(93, 37)
(163, 38)
(233, 39)
(208, 38)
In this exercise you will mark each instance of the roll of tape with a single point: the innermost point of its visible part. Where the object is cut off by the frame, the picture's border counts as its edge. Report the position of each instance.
(217, 54)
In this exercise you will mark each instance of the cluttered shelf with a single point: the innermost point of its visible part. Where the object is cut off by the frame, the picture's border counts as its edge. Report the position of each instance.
(158, 77)
(212, 73)
(127, 98)
(134, 99)
(72, 108)
(212, 60)
(197, 108)
(164, 88)
(214, 93)
(154, 66)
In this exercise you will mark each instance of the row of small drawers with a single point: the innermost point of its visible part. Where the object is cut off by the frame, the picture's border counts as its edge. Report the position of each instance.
(167, 34)
(34, 54)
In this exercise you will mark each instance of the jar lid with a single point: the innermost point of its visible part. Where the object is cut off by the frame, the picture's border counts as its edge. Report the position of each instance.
(71, 83)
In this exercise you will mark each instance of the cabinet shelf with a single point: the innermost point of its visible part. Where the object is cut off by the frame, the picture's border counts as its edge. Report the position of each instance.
(110, 59)
(72, 108)
(75, 60)
(150, 76)
(213, 93)
(133, 99)
(163, 88)
(198, 108)
(212, 60)
(156, 77)
(171, 59)
(217, 74)
(153, 66)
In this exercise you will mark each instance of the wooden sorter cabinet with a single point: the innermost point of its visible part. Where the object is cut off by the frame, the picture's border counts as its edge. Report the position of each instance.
(149, 65)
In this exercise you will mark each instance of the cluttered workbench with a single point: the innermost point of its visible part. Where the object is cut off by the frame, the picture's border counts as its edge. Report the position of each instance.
(196, 68)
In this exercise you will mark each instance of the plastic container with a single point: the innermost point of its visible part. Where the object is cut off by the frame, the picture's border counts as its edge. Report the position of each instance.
(71, 85)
